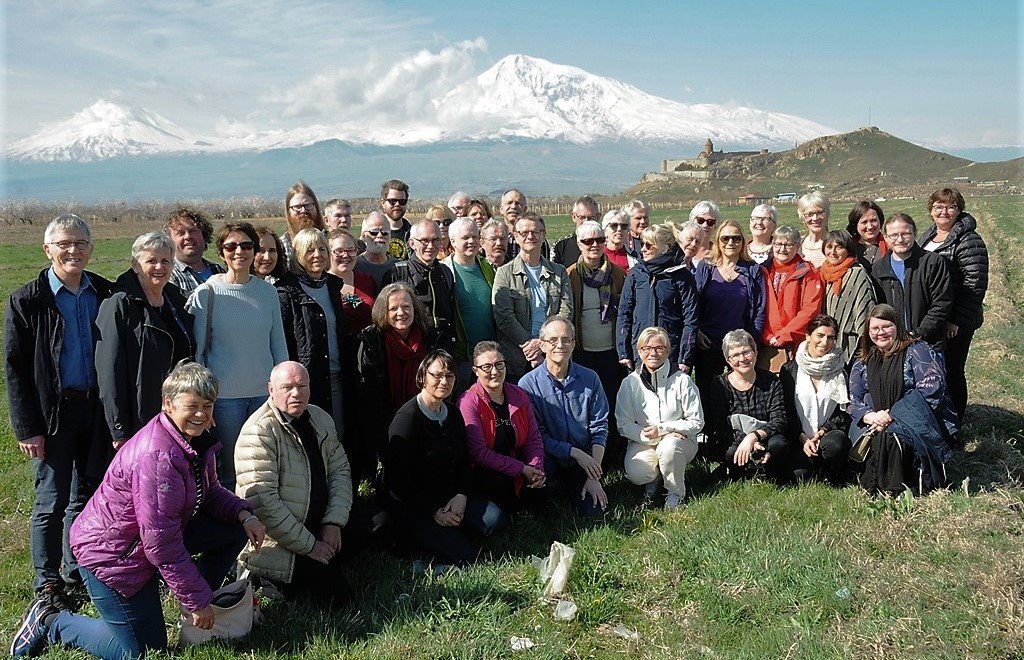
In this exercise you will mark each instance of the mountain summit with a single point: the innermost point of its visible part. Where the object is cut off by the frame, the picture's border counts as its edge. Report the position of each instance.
(103, 130)
(519, 98)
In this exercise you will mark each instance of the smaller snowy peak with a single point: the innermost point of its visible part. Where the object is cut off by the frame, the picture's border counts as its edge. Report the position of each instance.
(104, 130)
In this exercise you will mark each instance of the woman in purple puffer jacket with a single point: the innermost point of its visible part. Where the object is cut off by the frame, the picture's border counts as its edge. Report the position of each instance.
(159, 503)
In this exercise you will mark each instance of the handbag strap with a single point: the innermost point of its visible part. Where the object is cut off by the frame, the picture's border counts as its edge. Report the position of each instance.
(209, 325)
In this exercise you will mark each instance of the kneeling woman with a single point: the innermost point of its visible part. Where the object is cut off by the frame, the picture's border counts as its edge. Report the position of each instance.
(898, 386)
(814, 384)
(427, 472)
(502, 436)
(746, 413)
(658, 411)
(128, 538)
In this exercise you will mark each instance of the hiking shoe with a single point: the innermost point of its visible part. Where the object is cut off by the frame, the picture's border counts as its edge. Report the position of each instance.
(56, 596)
(31, 639)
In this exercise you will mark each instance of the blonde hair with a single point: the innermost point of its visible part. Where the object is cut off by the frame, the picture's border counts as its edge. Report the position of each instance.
(647, 334)
(716, 244)
(305, 240)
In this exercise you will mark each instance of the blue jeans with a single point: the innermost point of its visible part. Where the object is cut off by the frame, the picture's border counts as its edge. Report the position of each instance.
(128, 627)
(61, 491)
(230, 416)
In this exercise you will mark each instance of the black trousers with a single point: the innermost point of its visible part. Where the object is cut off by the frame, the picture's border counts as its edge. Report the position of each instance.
(832, 461)
(956, 369)
(777, 467)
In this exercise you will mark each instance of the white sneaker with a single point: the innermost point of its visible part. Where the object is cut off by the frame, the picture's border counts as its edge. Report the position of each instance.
(672, 501)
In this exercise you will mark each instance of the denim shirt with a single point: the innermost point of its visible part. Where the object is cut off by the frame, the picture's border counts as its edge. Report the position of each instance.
(77, 369)
(570, 414)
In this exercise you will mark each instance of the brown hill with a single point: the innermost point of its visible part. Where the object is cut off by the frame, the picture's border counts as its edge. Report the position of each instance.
(864, 163)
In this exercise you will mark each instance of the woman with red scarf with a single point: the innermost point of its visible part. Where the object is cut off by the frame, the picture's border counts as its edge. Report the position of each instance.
(390, 352)
(865, 226)
(794, 298)
(849, 291)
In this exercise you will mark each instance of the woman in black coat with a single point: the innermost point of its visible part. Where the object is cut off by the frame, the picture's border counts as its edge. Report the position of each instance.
(144, 331)
(954, 235)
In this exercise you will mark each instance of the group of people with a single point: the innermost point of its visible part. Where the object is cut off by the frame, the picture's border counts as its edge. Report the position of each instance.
(459, 369)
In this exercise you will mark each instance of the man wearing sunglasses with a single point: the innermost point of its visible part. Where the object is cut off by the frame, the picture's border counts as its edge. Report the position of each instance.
(567, 251)
(394, 200)
(375, 236)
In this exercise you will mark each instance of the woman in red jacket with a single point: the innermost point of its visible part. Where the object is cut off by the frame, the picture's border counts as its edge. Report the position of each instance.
(502, 437)
(795, 294)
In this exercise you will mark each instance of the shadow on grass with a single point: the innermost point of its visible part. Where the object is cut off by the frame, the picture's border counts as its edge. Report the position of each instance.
(993, 454)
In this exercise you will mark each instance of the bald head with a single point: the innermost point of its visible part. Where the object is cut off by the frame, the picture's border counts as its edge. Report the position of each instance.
(289, 388)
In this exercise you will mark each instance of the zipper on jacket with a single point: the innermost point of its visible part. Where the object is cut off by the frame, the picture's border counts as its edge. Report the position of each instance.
(131, 547)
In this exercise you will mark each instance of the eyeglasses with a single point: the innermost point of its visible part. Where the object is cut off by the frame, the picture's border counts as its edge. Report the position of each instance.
(488, 368)
(590, 242)
(785, 247)
(457, 207)
(377, 232)
(747, 352)
(905, 235)
(428, 241)
(731, 238)
(341, 252)
(882, 330)
(308, 206)
(705, 221)
(396, 202)
(231, 247)
(814, 214)
(531, 233)
(654, 349)
(495, 238)
(441, 376)
(939, 208)
(617, 226)
(67, 245)
(559, 341)
(759, 220)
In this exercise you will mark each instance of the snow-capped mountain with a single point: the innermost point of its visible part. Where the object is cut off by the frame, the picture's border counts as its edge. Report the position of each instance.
(520, 97)
(104, 130)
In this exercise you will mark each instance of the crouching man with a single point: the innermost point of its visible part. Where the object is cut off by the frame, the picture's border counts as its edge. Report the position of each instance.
(292, 469)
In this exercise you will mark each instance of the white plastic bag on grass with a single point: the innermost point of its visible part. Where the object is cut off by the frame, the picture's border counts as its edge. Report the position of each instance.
(554, 569)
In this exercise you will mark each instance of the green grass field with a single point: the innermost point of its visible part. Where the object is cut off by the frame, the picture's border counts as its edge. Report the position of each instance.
(744, 570)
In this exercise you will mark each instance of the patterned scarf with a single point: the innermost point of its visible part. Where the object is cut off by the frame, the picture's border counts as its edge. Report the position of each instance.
(304, 278)
(600, 278)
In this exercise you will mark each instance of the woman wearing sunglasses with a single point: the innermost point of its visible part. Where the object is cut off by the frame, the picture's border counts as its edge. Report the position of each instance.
(239, 337)
(502, 436)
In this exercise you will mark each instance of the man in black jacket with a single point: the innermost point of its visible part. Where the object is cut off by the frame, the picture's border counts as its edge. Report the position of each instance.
(49, 343)
(433, 283)
(567, 250)
(914, 281)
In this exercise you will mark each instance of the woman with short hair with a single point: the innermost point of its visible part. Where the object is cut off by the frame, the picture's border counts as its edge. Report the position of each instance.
(128, 540)
(763, 221)
(849, 292)
(239, 336)
(144, 330)
(898, 400)
(659, 291)
(794, 298)
(615, 224)
(816, 394)
(692, 240)
(745, 412)
(502, 435)
(659, 413)
(865, 224)
(427, 472)
(954, 235)
(813, 209)
(269, 262)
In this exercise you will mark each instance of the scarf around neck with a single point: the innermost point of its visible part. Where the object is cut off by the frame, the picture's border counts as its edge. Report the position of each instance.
(833, 273)
(600, 278)
(305, 279)
(780, 272)
(828, 369)
(403, 357)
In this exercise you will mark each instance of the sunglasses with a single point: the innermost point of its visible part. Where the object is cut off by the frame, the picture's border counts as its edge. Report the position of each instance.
(231, 247)
(444, 221)
(731, 239)
(709, 222)
(396, 202)
(617, 226)
(378, 232)
(590, 242)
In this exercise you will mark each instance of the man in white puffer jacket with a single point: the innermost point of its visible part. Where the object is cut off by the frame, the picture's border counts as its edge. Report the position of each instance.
(658, 411)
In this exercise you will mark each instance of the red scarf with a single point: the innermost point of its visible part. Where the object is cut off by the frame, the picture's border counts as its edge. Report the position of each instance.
(779, 272)
(833, 274)
(404, 357)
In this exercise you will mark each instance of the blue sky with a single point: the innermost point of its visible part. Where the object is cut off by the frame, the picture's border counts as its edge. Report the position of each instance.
(939, 72)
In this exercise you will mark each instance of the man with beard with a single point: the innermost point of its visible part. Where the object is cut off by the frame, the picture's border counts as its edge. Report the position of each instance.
(191, 232)
(374, 261)
(394, 200)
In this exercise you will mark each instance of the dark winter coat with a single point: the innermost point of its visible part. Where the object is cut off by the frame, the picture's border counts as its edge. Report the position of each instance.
(927, 297)
(435, 287)
(665, 299)
(968, 260)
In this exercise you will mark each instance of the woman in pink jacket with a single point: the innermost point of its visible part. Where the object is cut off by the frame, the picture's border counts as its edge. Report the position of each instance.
(502, 437)
(159, 504)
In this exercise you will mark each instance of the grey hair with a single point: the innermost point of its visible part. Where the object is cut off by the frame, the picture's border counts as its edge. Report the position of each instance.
(761, 209)
(588, 227)
(691, 225)
(735, 338)
(634, 206)
(813, 198)
(460, 224)
(494, 225)
(375, 215)
(551, 320)
(190, 378)
(154, 241)
(706, 206)
(66, 222)
(616, 214)
(789, 233)
(457, 196)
